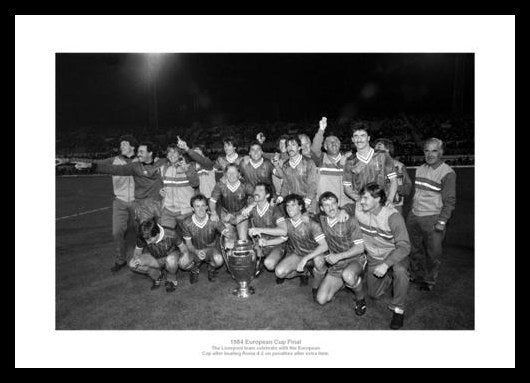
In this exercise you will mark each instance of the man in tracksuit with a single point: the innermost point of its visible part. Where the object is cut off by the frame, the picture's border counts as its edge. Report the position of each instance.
(180, 180)
(387, 246)
(330, 164)
(433, 203)
(123, 204)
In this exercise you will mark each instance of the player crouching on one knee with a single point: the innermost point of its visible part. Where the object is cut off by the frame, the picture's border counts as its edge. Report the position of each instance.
(306, 245)
(158, 252)
(202, 236)
(267, 220)
(346, 259)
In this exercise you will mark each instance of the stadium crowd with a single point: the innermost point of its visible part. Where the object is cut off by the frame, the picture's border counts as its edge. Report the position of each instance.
(406, 131)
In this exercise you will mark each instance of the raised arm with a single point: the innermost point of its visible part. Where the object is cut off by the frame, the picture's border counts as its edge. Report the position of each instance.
(117, 170)
(318, 139)
(205, 162)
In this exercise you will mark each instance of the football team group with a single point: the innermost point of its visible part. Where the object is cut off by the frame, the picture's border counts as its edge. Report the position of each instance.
(332, 219)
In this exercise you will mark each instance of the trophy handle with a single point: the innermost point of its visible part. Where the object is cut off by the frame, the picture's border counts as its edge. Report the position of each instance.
(223, 254)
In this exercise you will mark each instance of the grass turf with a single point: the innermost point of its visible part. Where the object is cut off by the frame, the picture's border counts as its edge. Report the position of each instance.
(88, 296)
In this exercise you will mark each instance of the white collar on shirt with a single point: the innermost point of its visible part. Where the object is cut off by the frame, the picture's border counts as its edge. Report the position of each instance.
(257, 164)
(336, 159)
(234, 187)
(332, 222)
(296, 223)
(198, 223)
(261, 213)
(232, 158)
(296, 162)
(368, 156)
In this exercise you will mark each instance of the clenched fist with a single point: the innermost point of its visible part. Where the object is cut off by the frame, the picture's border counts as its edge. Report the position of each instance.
(323, 123)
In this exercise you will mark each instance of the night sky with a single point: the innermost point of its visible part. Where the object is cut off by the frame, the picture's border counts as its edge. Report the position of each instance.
(115, 90)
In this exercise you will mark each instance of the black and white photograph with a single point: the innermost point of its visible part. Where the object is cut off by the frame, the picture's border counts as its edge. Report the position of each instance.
(335, 191)
(272, 196)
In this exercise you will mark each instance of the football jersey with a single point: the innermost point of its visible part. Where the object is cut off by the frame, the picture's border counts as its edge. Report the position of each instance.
(168, 242)
(231, 197)
(375, 167)
(202, 234)
(269, 217)
(301, 178)
(341, 236)
(303, 237)
(260, 172)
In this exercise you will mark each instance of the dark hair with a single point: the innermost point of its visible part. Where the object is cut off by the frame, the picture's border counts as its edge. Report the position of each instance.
(268, 189)
(174, 146)
(388, 144)
(327, 195)
(282, 137)
(198, 197)
(151, 147)
(149, 229)
(255, 143)
(293, 138)
(232, 165)
(375, 191)
(230, 140)
(130, 139)
(361, 125)
(295, 197)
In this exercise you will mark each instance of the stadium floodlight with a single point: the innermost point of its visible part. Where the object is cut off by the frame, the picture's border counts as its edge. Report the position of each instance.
(154, 61)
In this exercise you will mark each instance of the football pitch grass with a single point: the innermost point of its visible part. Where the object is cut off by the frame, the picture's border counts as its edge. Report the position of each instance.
(90, 297)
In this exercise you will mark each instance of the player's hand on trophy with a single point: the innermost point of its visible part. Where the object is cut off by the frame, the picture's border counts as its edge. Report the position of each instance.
(301, 265)
(305, 218)
(227, 218)
(82, 165)
(331, 259)
(201, 254)
(253, 231)
(381, 270)
(262, 242)
(182, 144)
(214, 217)
(323, 123)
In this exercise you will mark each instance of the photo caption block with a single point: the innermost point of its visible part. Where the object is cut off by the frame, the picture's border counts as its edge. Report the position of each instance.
(247, 347)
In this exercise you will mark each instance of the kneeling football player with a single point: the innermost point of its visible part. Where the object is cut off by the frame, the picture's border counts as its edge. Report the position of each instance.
(346, 259)
(306, 245)
(157, 254)
(202, 239)
(267, 220)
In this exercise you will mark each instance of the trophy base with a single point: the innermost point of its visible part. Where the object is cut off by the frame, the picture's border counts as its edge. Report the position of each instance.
(243, 291)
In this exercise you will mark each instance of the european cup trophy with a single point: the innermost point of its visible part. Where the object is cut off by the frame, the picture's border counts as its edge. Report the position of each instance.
(240, 258)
